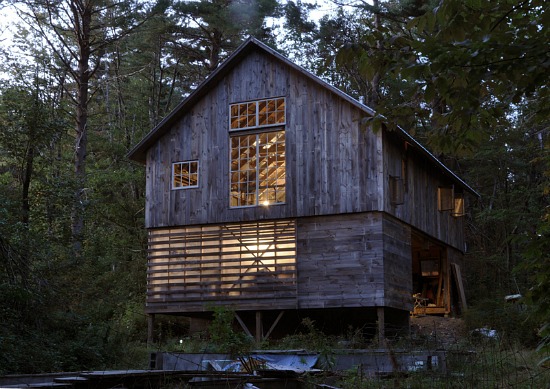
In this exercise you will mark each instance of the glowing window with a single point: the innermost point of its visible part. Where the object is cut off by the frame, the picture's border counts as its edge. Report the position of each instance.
(185, 174)
(258, 113)
(258, 175)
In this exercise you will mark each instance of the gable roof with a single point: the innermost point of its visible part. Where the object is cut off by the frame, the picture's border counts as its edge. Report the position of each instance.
(138, 153)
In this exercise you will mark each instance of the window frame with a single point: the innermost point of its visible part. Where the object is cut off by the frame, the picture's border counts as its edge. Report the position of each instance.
(397, 190)
(257, 124)
(449, 199)
(445, 198)
(256, 130)
(459, 204)
(188, 163)
(257, 133)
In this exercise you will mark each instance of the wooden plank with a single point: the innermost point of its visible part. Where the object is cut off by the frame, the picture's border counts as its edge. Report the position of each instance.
(222, 262)
(459, 285)
(340, 267)
(268, 333)
(243, 325)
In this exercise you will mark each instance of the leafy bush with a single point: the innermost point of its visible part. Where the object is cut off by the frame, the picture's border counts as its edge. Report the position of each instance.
(223, 335)
(512, 322)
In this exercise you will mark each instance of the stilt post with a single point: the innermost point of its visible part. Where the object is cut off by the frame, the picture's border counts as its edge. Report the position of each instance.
(150, 329)
(259, 327)
(381, 326)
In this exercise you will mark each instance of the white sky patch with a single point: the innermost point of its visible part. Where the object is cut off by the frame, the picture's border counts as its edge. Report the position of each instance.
(8, 20)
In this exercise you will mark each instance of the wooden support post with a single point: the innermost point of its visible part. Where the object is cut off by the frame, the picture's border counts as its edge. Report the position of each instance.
(274, 325)
(259, 327)
(150, 329)
(381, 326)
(439, 295)
(459, 287)
(241, 322)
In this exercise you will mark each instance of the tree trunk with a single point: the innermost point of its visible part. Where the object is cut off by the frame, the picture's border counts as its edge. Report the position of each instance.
(374, 95)
(25, 211)
(82, 12)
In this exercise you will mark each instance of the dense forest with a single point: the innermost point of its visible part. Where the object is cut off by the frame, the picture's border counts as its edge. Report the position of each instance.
(84, 80)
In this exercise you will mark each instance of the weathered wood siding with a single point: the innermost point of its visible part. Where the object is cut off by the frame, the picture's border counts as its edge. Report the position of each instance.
(421, 181)
(353, 245)
(333, 165)
(341, 262)
(397, 263)
(357, 260)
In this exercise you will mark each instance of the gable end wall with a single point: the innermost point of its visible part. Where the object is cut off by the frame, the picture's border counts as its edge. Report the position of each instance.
(333, 165)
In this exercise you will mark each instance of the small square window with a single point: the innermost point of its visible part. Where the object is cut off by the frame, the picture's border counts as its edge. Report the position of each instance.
(185, 174)
(459, 205)
(445, 198)
(397, 191)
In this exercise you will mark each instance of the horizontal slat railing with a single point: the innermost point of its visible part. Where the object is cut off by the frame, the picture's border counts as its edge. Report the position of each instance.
(243, 264)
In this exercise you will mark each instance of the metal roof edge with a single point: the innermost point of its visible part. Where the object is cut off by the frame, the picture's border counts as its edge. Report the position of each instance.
(433, 158)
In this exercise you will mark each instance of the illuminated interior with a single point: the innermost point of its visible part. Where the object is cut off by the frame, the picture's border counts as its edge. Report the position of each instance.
(241, 259)
(258, 174)
(257, 113)
(185, 174)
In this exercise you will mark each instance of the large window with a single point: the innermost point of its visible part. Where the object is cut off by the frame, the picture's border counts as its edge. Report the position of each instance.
(258, 169)
(258, 174)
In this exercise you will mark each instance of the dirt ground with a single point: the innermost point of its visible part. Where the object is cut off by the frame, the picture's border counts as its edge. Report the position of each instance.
(442, 331)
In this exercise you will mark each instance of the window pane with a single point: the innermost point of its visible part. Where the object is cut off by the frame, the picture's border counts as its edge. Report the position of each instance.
(258, 170)
(234, 116)
(459, 205)
(257, 113)
(185, 174)
(262, 113)
(280, 111)
(445, 198)
(185, 180)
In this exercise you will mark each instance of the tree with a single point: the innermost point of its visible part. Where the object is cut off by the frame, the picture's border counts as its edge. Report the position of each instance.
(470, 79)
(206, 31)
(79, 32)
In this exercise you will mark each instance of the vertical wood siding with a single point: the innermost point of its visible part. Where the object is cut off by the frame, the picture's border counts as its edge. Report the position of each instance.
(397, 263)
(420, 206)
(331, 167)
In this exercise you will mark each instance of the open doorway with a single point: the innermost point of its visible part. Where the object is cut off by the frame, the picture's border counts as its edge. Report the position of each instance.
(431, 278)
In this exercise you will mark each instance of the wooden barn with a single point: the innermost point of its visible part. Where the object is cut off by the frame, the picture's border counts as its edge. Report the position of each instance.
(266, 194)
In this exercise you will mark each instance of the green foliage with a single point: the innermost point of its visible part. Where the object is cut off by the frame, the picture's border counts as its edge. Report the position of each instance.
(313, 340)
(537, 263)
(452, 73)
(223, 335)
(513, 322)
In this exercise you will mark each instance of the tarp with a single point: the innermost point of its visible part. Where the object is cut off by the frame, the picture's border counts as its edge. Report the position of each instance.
(298, 364)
